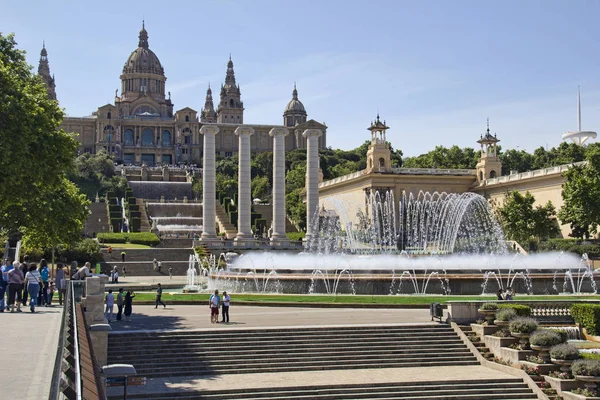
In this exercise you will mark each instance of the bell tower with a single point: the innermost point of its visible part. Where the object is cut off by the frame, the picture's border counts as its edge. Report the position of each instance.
(231, 107)
(44, 73)
(489, 165)
(378, 155)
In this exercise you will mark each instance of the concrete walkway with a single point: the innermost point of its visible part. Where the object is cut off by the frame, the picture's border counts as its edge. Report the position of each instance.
(29, 345)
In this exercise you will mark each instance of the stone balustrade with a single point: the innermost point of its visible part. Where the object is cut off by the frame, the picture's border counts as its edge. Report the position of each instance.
(530, 174)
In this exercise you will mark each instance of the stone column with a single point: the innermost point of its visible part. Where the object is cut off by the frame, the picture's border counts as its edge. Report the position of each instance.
(208, 183)
(279, 216)
(244, 194)
(312, 177)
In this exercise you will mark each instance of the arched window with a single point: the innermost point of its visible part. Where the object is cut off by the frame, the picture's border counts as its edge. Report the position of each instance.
(480, 175)
(381, 163)
(108, 115)
(187, 118)
(231, 103)
(128, 137)
(492, 174)
(166, 138)
(147, 137)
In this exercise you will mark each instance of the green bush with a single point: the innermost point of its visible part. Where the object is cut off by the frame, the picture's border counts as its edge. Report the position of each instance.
(564, 351)
(587, 316)
(570, 245)
(295, 236)
(563, 335)
(523, 325)
(226, 200)
(146, 238)
(116, 224)
(135, 214)
(586, 367)
(590, 356)
(83, 251)
(521, 309)
(233, 218)
(115, 215)
(201, 251)
(489, 307)
(114, 208)
(545, 338)
(135, 224)
(134, 207)
(112, 237)
(506, 314)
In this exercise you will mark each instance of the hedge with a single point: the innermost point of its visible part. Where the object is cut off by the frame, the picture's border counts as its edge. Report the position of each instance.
(114, 208)
(226, 200)
(235, 198)
(253, 217)
(116, 224)
(260, 225)
(521, 309)
(115, 215)
(134, 207)
(233, 218)
(587, 316)
(135, 214)
(572, 246)
(295, 236)
(147, 238)
(135, 224)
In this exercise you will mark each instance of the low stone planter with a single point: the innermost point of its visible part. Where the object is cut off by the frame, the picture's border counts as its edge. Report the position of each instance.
(563, 385)
(565, 365)
(590, 382)
(495, 344)
(544, 352)
(523, 339)
(489, 315)
(501, 324)
(572, 396)
(544, 369)
(482, 330)
(515, 356)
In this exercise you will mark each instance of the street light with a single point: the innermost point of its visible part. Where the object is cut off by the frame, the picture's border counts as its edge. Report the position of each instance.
(100, 222)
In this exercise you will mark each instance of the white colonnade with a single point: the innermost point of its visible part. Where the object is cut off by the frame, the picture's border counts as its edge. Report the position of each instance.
(208, 183)
(244, 193)
(312, 177)
(279, 215)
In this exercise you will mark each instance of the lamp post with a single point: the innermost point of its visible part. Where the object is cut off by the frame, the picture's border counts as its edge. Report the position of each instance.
(100, 222)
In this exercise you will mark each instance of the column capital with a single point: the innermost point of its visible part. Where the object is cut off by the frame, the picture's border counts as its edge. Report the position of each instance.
(279, 132)
(209, 130)
(312, 132)
(244, 130)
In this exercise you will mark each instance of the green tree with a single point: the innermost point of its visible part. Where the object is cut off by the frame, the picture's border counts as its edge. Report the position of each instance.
(95, 173)
(516, 160)
(545, 225)
(443, 157)
(35, 154)
(260, 187)
(581, 196)
(226, 184)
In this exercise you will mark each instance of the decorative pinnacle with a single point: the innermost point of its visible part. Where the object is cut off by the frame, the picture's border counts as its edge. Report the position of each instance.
(488, 125)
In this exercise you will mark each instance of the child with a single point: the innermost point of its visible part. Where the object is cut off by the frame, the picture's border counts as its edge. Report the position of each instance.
(110, 303)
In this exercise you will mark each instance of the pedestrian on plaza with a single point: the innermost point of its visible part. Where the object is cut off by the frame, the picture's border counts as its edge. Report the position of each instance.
(509, 294)
(124, 272)
(33, 280)
(159, 266)
(213, 304)
(226, 302)
(50, 292)
(61, 282)
(4, 269)
(158, 297)
(500, 294)
(15, 287)
(120, 302)
(170, 273)
(154, 264)
(24, 269)
(115, 275)
(110, 303)
(129, 296)
(123, 256)
(45, 274)
(83, 272)
(110, 251)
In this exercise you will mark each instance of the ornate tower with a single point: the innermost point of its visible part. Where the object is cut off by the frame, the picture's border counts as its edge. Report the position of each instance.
(44, 73)
(208, 113)
(378, 155)
(231, 107)
(489, 165)
(294, 111)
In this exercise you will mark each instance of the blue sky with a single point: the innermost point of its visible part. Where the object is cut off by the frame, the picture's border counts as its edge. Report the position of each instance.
(434, 69)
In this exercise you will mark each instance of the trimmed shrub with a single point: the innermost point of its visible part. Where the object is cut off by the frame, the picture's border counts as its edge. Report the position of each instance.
(295, 236)
(135, 214)
(116, 224)
(523, 325)
(586, 367)
(590, 356)
(489, 307)
(134, 207)
(114, 208)
(83, 251)
(545, 338)
(253, 217)
(235, 198)
(233, 218)
(147, 238)
(226, 200)
(112, 237)
(588, 316)
(135, 224)
(506, 314)
(260, 225)
(564, 351)
(521, 309)
(563, 335)
(115, 215)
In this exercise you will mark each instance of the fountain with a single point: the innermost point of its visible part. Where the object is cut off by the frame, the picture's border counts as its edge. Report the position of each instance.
(191, 286)
(426, 244)
(176, 218)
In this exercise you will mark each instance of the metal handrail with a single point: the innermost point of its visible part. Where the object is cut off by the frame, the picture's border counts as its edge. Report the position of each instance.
(60, 352)
(76, 347)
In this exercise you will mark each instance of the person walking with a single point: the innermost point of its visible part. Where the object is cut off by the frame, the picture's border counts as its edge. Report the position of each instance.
(45, 274)
(120, 302)
(158, 297)
(6, 267)
(129, 296)
(159, 266)
(123, 256)
(33, 280)
(226, 302)
(170, 272)
(110, 251)
(83, 272)
(213, 304)
(115, 275)
(110, 303)
(15, 287)
(154, 264)
(61, 282)
(124, 272)
(24, 269)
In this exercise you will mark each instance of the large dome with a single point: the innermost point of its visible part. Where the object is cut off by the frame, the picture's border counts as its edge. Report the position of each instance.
(295, 106)
(142, 59)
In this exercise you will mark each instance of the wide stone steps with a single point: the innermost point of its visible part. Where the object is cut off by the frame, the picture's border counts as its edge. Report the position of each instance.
(490, 389)
(159, 354)
(146, 268)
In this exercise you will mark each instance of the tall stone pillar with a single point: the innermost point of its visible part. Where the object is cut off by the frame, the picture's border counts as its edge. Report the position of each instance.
(279, 216)
(312, 177)
(244, 193)
(208, 183)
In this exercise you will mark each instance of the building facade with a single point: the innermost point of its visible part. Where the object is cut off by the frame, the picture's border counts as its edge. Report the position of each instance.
(143, 127)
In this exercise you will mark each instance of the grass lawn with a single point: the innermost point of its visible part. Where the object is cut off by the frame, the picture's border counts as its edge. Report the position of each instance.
(116, 246)
(347, 299)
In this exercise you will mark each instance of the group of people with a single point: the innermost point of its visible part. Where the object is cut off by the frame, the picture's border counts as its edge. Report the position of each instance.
(215, 301)
(509, 294)
(24, 281)
(124, 305)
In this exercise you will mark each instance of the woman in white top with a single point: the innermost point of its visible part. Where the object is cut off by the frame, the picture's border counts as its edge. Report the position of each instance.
(32, 280)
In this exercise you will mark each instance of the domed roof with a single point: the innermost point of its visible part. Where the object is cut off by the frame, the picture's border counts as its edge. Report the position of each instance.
(295, 106)
(142, 59)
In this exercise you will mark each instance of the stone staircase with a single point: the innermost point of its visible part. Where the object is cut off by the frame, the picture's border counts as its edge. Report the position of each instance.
(500, 389)
(285, 350)
(223, 221)
(144, 220)
(138, 262)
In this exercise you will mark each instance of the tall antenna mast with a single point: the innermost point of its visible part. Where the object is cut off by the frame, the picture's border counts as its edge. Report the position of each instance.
(578, 109)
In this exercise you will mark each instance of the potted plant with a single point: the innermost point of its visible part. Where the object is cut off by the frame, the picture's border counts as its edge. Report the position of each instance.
(504, 315)
(587, 371)
(542, 341)
(489, 312)
(564, 355)
(521, 328)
